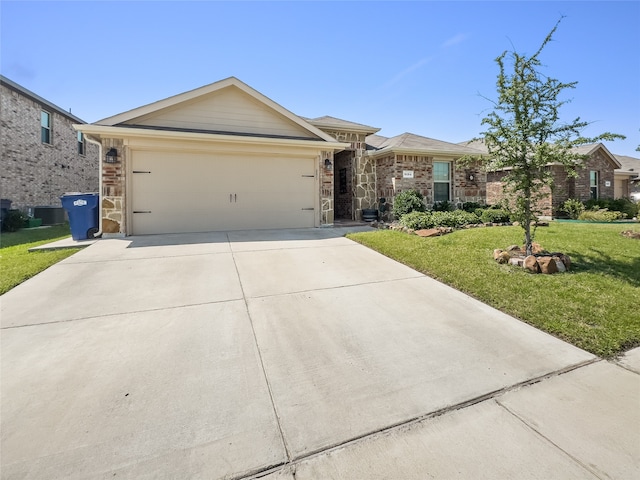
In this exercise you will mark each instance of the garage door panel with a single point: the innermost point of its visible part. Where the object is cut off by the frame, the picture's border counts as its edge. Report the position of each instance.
(201, 192)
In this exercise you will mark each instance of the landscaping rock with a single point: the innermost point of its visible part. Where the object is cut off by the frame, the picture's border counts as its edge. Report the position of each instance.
(429, 232)
(536, 248)
(559, 264)
(503, 257)
(631, 234)
(547, 265)
(517, 261)
(531, 264)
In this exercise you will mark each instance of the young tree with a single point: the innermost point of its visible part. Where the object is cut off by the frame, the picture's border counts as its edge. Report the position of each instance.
(525, 134)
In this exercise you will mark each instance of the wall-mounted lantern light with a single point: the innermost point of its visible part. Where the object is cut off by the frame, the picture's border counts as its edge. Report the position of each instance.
(111, 156)
(327, 164)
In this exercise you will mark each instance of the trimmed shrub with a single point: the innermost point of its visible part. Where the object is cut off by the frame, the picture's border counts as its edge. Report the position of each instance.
(472, 207)
(495, 216)
(443, 207)
(417, 220)
(455, 219)
(13, 221)
(573, 208)
(623, 205)
(407, 202)
(602, 215)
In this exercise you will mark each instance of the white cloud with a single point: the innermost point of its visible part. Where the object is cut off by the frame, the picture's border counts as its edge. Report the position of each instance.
(408, 70)
(455, 40)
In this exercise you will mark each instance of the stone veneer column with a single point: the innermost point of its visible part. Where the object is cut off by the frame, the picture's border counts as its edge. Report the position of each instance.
(327, 212)
(363, 171)
(113, 211)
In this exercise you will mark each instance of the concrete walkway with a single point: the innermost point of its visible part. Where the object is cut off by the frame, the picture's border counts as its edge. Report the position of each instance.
(292, 354)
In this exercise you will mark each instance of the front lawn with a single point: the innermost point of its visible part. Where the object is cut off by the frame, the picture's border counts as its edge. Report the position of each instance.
(595, 306)
(18, 264)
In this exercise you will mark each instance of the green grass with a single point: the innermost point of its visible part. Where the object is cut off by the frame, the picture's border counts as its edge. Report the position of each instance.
(17, 264)
(595, 306)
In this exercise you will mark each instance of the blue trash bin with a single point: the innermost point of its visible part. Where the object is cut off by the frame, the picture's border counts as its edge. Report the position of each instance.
(82, 209)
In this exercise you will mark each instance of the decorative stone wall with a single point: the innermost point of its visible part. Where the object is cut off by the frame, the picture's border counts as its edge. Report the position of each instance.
(33, 173)
(113, 211)
(363, 170)
(326, 189)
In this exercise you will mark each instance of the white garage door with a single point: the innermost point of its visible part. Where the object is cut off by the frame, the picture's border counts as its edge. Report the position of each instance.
(189, 192)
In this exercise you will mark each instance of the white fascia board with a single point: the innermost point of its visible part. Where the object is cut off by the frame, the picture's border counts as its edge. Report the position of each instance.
(103, 131)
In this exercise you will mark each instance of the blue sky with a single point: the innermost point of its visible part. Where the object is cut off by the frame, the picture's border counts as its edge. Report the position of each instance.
(422, 67)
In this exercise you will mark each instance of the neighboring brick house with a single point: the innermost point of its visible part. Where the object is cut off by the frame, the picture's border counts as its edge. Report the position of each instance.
(595, 179)
(627, 178)
(42, 156)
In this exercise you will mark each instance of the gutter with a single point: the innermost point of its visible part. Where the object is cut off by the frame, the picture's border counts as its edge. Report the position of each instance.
(90, 140)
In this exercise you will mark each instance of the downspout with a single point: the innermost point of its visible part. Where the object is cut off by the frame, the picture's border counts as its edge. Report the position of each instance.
(99, 232)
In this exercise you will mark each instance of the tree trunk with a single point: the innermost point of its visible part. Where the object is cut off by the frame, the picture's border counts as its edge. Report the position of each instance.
(527, 221)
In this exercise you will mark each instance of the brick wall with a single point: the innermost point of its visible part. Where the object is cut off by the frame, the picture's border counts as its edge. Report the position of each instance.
(469, 183)
(36, 174)
(601, 164)
(564, 186)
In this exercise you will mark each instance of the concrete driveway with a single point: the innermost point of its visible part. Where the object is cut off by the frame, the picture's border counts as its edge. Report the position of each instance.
(227, 355)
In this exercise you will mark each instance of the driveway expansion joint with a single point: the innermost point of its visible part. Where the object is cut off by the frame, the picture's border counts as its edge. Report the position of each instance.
(264, 371)
(549, 441)
(412, 422)
(337, 287)
(116, 314)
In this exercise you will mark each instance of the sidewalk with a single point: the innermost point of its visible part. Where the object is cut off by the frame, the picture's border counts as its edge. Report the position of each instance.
(584, 424)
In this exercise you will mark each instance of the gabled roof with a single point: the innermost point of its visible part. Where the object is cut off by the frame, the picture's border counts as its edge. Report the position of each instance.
(475, 144)
(144, 116)
(374, 141)
(628, 166)
(340, 124)
(588, 149)
(38, 99)
(412, 143)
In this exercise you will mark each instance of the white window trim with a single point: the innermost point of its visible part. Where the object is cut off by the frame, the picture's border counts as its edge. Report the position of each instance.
(449, 181)
(49, 127)
(596, 186)
(84, 144)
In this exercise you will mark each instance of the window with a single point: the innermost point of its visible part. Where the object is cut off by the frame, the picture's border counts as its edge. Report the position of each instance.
(593, 184)
(441, 181)
(81, 144)
(45, 127)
